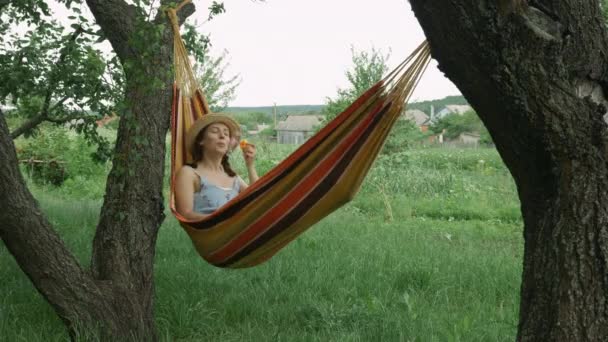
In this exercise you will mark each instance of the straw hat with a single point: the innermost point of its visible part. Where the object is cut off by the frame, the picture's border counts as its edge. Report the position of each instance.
(207, 120)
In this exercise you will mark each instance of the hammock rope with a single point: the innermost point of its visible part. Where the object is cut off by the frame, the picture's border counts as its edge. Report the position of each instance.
(319, 177)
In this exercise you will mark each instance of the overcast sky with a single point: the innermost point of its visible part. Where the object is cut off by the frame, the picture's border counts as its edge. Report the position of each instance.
(296, 52)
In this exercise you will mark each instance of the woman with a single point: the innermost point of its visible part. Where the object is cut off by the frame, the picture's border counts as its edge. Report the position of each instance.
(209, 182)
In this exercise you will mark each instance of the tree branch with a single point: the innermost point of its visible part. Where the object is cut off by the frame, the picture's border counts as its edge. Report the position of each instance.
(58, 103)
(43, 116)
(67, 118)
(29, 125)
(117, 19)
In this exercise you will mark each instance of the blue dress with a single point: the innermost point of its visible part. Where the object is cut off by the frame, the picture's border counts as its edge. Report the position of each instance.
(210, 197)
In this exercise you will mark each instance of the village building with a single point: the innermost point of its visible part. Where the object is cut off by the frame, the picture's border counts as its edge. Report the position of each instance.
(296, 129)
(258, 128)
(418, 117)
(452, 109)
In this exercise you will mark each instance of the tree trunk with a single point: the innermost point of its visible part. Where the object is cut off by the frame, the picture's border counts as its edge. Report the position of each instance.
(537, 76)
(116, 297)
(41, 253)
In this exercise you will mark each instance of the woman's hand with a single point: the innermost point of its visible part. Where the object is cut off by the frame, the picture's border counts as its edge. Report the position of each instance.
(249, 154)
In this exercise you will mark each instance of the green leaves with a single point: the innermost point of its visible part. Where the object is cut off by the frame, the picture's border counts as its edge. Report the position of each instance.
(455, 124)
(29, 11)
(367, 69)
(57, 74)
(401, 136)
(210, 71)
(215, 9)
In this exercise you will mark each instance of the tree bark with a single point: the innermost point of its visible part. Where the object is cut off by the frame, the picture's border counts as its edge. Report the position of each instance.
(537, 76)
(28, 126)
(125, 240)
(116, 296)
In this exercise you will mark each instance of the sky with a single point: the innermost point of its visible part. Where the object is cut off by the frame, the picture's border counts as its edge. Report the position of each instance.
(293, 52)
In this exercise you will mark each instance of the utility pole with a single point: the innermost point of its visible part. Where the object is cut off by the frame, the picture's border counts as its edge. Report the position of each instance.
(274, 113)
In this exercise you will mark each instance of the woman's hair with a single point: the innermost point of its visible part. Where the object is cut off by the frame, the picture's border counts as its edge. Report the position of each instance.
(197, 155)
(226, 165)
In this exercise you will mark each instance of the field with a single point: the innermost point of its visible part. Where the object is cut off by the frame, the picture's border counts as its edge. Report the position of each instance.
(429, 250)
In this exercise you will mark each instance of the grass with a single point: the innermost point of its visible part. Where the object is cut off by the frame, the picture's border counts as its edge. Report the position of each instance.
(447, 267)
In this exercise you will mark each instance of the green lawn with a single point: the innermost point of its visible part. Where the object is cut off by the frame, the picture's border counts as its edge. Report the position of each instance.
(430, 250)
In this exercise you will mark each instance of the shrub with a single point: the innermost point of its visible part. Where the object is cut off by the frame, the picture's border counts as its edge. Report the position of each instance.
(58, 157)
(42, 155)
(402, 136)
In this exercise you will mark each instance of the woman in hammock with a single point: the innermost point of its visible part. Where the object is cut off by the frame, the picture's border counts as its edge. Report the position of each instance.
(209, 182)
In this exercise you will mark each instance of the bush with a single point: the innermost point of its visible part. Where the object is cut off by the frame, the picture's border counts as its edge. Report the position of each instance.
(42, 156)
(456, 124)
(47, 172)
(58, 157)
(401, 137)
(268, 134)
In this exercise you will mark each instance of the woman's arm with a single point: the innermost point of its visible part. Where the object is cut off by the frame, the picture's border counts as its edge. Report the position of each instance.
(185, 181)
(249, 155)
(252, 173)
(242, 185)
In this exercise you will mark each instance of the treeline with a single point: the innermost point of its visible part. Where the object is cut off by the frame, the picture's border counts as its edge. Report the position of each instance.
(425, 106)
(281, 110)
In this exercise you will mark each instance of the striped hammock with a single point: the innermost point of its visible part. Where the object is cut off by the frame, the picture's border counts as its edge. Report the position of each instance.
(319, 177)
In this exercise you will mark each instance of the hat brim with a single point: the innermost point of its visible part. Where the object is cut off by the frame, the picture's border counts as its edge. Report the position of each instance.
(207, 120)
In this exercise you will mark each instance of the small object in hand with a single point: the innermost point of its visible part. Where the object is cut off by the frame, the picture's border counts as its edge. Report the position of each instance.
(243, 144)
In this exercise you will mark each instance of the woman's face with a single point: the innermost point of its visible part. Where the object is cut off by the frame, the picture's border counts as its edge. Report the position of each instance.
(216, 138)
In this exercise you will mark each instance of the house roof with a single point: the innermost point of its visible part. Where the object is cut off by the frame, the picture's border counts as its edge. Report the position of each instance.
(417, 116)
(300, 123)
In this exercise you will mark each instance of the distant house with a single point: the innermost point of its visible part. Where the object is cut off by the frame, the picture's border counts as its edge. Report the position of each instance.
(106, 120)
(258, 129)
(418, 117)
(468, 138)
(296, 129)
(452, 109)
